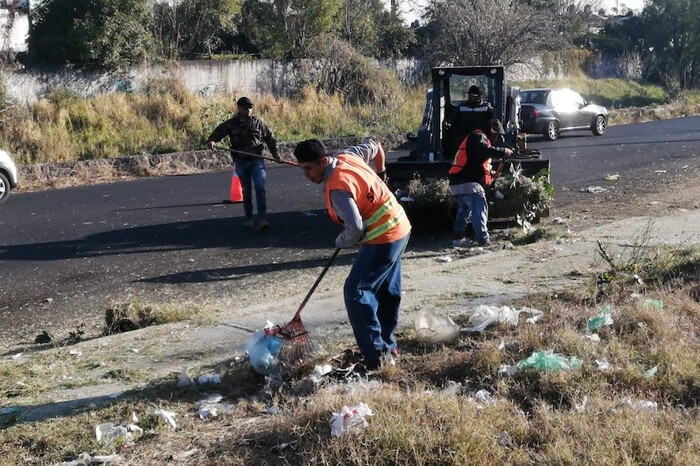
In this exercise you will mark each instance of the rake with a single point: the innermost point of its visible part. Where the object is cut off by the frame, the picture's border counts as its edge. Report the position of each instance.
(257, 156)
(296, 339)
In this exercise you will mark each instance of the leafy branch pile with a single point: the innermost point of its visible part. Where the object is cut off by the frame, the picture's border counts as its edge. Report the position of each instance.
(522, 196)
(429, 191)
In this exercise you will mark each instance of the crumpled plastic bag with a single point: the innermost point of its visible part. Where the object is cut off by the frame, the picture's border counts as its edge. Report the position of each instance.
(108, 433)
(263, 351)
(350, 419)
(211, 406)
(548, 361)
(484, 315)
(433, 326)
(85, 459)
(603, 318)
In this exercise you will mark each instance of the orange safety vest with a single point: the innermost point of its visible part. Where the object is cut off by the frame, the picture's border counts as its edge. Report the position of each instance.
(460, 162)
(384, 219)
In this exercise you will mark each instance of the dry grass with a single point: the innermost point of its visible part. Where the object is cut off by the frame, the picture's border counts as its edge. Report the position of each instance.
(424, 408)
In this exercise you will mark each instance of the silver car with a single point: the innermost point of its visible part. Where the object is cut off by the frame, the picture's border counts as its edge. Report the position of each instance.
(550, 111)
(8, 175)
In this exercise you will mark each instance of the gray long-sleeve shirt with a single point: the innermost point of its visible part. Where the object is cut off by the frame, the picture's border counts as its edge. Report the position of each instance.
(342, 202)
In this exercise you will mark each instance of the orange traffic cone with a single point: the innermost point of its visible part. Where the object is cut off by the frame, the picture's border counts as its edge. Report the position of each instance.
(236, 194)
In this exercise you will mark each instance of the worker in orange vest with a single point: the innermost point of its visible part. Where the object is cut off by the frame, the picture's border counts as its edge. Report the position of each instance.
(470, 176)
(357, 197)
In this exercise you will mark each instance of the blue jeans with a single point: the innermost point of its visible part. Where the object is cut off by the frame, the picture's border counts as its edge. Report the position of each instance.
(373, 296)
(473, 205)
(252, 173)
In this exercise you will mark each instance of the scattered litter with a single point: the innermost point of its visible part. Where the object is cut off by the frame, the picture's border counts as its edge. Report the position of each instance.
(659, 171)
(238, 360)
(594, 337)
(283, 446)
(593, 189)
(651, 372)
(603, 318)
(482, 396)
(452, 388)
(16, 356)
(263, 351)
(274, 410)
(211, 406)
(485, 315)
(447, 259)
(75, 352)
(639, 405)
(9, 416)
(653, 303)
(406, 199)
(614, 177)
(559, 220)
(308, 213)
(135, 350)
(209, 379)
(580, 407)
(109, 433)
(602, 364)
(184, 380)
(319, 372)
(512, 345)
(85, 459)
(548, 361)
(167, 416)
(506, 369)
(350, 419)
(435, 327)
(43, 337)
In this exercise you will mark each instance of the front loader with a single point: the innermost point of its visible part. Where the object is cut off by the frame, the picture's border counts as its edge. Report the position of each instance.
(444, 101)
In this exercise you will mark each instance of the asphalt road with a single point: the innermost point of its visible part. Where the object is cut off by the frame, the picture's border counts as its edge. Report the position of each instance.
(67, 254)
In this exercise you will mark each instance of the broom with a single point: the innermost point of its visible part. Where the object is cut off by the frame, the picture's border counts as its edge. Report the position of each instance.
(257, 156)
(296, 339)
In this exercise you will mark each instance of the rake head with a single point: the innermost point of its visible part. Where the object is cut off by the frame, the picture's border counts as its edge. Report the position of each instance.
(296, 342)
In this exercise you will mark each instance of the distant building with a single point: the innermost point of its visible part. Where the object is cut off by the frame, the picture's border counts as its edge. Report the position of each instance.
(14, 27)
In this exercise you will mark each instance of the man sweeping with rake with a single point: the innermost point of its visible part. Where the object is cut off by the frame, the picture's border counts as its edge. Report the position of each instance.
(357, 197)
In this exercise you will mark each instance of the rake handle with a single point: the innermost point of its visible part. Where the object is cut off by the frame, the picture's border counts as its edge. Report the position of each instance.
(250, 154)
(318, 280)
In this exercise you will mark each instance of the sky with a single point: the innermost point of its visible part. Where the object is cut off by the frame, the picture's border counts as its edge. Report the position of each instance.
(412, 9)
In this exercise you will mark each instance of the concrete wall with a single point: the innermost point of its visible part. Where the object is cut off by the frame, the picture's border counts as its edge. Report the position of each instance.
(253, 77)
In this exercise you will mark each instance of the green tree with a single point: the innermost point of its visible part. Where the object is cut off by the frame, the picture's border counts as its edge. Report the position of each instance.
(105, 33)
(374, 31)
(288, 28)
(671, 37)
(186, 28)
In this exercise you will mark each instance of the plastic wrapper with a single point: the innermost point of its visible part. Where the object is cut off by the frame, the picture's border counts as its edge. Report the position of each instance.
(547, 361)
(435, 327)
(484, 315)
(263, 351)
(350, 419)
(603, 318)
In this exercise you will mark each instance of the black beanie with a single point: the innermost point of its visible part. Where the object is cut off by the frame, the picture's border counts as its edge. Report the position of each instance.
(310, 150)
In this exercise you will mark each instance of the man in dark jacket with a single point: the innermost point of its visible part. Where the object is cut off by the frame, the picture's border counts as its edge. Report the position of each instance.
(469, 177)
(247, 133)
(470, 115)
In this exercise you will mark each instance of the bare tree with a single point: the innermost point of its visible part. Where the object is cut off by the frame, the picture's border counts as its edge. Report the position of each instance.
(479, 32)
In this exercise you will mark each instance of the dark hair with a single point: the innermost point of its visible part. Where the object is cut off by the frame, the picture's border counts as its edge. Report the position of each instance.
(494, 127)
(244, 102)
(310, 150)
(474, 90)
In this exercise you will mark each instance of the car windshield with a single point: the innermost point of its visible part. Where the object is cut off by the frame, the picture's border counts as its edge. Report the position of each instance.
(533, 97)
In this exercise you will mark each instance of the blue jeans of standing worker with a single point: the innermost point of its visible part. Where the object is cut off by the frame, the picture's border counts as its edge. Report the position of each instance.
(252, 174)
(373, 297)
(475, 205)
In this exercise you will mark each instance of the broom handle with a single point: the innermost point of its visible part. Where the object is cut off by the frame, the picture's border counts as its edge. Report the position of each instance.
(318, 280)
(250, 154)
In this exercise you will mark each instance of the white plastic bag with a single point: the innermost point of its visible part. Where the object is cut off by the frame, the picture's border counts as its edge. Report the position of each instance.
(433, 326)
(484, 315)
(350, 419)
(263, 351)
